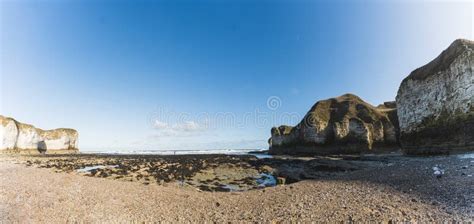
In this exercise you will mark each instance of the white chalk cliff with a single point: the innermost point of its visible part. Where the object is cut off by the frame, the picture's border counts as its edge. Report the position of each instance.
(436, 103)
(19, 137)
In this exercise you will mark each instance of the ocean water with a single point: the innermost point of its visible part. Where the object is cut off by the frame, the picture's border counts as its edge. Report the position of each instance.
(466, 156)
(182, 152)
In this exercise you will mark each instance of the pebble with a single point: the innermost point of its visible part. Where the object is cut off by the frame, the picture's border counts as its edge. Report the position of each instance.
(438, 172)
(281, 180)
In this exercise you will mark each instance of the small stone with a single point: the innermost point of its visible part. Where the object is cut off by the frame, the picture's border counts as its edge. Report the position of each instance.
(281, 180)
(438, 174)
(218, 204)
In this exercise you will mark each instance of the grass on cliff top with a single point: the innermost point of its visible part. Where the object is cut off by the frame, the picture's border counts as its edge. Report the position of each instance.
(338, 109)
(5, 120)
(343, 107)
(282, 130)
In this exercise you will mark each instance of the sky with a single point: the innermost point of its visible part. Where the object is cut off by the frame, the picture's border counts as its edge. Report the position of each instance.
(160, 75)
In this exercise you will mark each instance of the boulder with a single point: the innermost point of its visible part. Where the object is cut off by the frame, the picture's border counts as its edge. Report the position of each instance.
(436, 103)
(19, 137)
(344, 124)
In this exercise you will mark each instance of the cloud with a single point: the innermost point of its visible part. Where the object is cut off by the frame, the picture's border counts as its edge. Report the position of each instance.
(178, 129)
(160, 125)
(188, 126)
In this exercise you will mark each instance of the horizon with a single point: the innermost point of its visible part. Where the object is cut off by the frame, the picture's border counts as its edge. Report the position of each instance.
(207, 75)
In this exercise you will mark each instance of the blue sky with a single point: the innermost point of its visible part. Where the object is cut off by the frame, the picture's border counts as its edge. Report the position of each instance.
(162, 74)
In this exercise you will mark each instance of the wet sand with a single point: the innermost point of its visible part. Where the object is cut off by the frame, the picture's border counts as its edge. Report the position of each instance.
(189, 189)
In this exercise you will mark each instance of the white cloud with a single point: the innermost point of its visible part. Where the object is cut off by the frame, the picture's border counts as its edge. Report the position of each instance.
(178, 129)
(160, 125)
(187, 126)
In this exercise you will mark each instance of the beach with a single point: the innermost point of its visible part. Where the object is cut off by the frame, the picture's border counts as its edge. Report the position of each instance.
(381, 188)
(236, 111)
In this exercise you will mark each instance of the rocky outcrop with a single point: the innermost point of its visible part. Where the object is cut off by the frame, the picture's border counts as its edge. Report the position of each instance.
(345, 124)
(19, 137)
(436, 103)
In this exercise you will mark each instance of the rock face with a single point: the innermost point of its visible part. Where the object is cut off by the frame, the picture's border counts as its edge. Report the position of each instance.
(19, 137)
(345, 124)
(436, 103)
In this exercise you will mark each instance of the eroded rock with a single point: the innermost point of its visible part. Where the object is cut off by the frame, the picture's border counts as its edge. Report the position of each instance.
(436, 103)
(345, 124)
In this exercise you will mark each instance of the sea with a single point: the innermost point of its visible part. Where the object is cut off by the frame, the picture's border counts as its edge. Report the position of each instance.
(259, 153)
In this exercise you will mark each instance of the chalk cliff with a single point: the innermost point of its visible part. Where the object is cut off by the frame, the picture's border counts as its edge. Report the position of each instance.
(345, 124)
(436, 103)
(19, 137)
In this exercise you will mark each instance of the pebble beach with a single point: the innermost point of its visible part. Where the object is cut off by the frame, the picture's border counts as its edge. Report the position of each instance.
(376, 188)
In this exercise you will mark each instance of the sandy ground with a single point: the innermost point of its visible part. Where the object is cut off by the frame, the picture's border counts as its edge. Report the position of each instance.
(405, 189)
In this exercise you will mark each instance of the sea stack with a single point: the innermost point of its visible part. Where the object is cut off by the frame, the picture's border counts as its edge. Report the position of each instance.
(436, 103)
(345, 124)
(24, 138)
